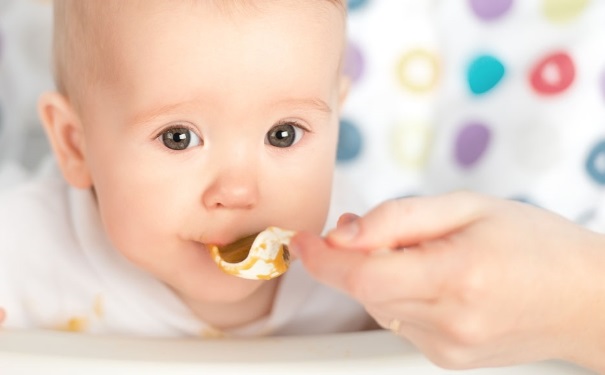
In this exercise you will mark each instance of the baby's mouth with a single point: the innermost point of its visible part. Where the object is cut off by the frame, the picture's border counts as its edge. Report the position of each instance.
(259, 256)
(237, 251)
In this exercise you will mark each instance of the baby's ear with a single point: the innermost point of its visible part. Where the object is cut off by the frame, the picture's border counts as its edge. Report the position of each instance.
(66, 136)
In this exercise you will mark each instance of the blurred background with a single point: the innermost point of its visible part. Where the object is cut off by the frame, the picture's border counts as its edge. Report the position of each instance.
(506, 97)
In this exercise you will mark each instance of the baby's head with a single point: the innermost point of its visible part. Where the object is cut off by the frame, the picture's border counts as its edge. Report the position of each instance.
(196, 122)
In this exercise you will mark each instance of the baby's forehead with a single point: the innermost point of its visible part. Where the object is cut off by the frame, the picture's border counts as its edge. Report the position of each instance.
(92, 22)
(92, 37)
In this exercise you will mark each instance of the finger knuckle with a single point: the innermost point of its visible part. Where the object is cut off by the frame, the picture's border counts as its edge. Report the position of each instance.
(357, 281)
(403, 207)
(473, 202)
(468, 331)
(397, 208)
(467, 196)
(471, 287)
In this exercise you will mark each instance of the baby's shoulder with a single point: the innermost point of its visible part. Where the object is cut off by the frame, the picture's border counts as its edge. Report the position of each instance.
(32, 209)
(38, 193)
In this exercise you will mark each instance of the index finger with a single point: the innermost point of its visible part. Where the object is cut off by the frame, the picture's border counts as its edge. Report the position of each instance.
(367, 277)
(408, 221)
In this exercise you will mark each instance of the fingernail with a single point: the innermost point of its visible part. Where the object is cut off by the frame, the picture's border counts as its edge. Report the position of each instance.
(346, 218)
(346, 232)
(293, 248)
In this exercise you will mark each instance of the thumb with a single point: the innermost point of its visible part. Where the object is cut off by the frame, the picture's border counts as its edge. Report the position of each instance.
(331, 266)
(346, 218)
(408, 221)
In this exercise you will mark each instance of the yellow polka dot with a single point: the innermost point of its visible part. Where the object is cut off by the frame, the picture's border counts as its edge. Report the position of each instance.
(418, 70)
(560, 11)
(410, 144)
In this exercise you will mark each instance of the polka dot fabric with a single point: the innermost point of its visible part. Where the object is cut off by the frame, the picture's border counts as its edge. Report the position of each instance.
(505, 97)
(25, 72)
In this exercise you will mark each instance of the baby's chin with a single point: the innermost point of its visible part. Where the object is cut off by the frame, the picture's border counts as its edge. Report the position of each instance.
(211, 285)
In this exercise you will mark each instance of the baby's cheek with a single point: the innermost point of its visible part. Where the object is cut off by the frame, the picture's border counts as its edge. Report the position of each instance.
(311, 205)
(318, 208)
(135, 237)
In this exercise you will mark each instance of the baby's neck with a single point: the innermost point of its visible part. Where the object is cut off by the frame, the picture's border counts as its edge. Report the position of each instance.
(232, 315)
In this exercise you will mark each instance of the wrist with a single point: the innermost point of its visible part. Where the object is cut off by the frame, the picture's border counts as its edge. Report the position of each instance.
(586, 337)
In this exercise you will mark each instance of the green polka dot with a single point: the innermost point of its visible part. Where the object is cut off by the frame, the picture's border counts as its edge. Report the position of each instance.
(561, 11)
(410, 144)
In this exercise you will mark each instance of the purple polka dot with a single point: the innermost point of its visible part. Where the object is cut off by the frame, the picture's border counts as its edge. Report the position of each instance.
(354, 62)
(489, 10)
(471, 143)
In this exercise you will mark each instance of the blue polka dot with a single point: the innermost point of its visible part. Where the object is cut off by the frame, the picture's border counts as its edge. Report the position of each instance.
(595, 163)
(405, 196)
(484, 73)
(350, 141)
(586, 217)
(523, 199)
(357, 4)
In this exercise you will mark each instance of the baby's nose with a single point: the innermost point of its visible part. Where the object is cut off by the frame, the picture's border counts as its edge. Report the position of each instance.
(234, 187)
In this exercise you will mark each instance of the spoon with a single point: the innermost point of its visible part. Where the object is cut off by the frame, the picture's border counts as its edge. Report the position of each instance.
(260, 256)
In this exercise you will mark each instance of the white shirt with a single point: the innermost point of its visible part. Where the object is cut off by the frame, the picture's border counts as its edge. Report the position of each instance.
(59, 271)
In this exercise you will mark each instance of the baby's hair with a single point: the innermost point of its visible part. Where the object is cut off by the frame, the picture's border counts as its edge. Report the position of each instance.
(82, 44)
(235, 4)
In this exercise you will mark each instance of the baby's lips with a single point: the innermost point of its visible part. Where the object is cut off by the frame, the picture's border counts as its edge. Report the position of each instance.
(268, 256)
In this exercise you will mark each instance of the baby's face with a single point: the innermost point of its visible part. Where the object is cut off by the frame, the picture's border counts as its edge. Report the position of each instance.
(218, 123)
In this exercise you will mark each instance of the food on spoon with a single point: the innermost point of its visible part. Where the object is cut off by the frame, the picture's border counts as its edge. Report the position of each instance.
(261, 256)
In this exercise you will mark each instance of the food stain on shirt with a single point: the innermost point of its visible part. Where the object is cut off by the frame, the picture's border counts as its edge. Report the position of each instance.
(75, 324)
(98, 306)
(212, 333)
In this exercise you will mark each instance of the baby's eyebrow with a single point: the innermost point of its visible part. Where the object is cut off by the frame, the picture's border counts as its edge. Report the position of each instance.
(306, 103)
(315, 104)
(147, 116)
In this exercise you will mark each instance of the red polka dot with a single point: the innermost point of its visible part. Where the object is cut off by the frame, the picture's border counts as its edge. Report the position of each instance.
(553, 74)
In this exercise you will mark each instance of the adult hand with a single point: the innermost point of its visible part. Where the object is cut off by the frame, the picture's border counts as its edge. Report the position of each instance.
(2, 315)
(472, 281)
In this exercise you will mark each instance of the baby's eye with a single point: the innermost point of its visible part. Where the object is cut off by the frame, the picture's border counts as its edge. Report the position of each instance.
(179, 138)
(284, 135)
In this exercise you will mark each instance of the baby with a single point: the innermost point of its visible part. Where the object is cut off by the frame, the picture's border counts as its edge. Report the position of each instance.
(176, 125)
